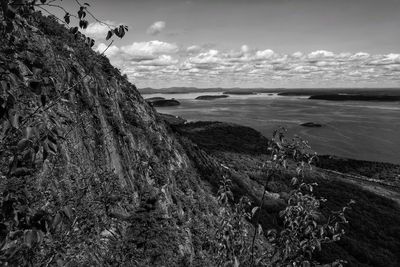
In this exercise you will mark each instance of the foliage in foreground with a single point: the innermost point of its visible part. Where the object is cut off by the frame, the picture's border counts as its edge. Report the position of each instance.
(304, 229)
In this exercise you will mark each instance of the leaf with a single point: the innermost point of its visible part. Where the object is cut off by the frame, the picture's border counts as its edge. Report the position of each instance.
(45, 153)
(29, 238)
(86, 4)
(83, 24)
(23, 144)
(43, 100)
(80, 13)
(36, 86)
(10, 101)
(56, 221)
(9, 26)
(67, 18)
(68, 212)
(10, 13)
(260, 230)
(43, 1)
(74, 30)
(254, 210)
(121, 31)
(109, 35)
(15, 120)
(52, 147)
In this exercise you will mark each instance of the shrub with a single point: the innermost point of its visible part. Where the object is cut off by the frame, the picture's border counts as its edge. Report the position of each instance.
(303, 231)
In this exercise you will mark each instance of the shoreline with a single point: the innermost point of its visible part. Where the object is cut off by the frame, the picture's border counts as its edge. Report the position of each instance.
(177, 121)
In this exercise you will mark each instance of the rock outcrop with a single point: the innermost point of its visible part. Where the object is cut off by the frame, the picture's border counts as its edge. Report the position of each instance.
(104, 126)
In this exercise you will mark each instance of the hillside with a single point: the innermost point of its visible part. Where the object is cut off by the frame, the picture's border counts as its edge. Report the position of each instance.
(89, 172)
(92, 175)
(371, 238)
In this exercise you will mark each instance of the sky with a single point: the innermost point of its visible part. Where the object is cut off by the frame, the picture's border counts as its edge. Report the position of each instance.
(252, 43)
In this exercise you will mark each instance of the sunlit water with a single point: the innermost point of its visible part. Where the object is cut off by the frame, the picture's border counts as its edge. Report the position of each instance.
(353, 129)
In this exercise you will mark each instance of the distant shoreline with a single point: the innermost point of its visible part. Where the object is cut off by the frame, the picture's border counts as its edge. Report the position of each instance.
(178, 122)
(280, 91)
(355, 97)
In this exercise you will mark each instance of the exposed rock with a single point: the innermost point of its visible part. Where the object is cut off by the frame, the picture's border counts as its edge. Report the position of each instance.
(108, 132)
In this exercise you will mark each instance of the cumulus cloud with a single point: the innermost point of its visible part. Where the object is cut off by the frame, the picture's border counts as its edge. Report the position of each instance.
(148, 50)
(156, 28)
(320, 54)
(193, 49)
(264, 54)
(97, 30)
(166, 63)
(109, 52)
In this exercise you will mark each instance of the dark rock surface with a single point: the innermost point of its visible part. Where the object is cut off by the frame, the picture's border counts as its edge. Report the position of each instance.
(109, 133)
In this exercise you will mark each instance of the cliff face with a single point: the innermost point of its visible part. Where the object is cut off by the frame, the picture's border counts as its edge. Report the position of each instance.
(105, 134)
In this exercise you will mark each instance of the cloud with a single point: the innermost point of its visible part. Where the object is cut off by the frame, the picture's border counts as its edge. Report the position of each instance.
(210, 57)
(193, 49)
(386, 60)
(159, 64)
(98, 30)
(162, 60)
(320, 54)
(156, 28)
(148, 50)
(264, 54)
(359, 56)
(245, 49)
(110, 52)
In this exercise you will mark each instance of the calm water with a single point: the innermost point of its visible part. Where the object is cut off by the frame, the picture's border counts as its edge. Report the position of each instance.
(356, 129)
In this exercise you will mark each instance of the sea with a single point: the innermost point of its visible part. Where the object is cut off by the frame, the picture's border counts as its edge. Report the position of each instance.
(361, 130)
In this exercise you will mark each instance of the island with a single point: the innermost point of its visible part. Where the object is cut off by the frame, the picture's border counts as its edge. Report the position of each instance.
(356, 97)
(156, 98)
(239, 93)
(211, 97)
(294, 94)
(311, 125)
(164, 102)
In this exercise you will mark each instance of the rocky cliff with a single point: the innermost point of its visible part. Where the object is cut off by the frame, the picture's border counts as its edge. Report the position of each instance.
(79, 143)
